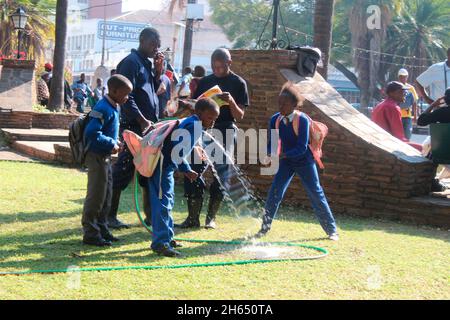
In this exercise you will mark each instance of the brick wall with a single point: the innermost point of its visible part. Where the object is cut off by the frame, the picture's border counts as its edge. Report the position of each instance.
(17, 85)
(367, 171)
(28, 120)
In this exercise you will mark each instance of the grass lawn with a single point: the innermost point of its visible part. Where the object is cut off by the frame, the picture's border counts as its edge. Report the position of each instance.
(40, 213)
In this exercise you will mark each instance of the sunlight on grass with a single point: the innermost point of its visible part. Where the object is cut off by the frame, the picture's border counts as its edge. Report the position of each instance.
(40, 228)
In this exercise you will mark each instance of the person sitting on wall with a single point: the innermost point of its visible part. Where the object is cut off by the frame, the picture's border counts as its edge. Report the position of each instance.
(438, 112)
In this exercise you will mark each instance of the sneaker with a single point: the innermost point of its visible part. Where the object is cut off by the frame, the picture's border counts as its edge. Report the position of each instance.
(175, 244)
(333, 237)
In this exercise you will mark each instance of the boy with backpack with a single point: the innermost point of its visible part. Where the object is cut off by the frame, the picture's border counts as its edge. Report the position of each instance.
(176, 148)
(300, 139)
(101, 141)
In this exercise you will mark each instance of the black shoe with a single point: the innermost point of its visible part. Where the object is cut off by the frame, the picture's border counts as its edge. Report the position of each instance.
(166, 251)
(175, 244)
(97, 242)
(148, 222)
(117, 224)
(188, 223)
(437, 186)
(110, 238)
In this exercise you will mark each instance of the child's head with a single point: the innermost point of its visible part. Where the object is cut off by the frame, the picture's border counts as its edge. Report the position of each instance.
(208, 111)
(99, 82)
(119, 87)
(288, 99)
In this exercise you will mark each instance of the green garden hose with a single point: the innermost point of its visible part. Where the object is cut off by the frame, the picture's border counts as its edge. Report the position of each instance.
(323, 253)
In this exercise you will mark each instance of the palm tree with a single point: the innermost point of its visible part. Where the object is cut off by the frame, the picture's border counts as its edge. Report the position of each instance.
(323, 27)
(38, 31)
(56, 101)
(420, 32)
(367, 42)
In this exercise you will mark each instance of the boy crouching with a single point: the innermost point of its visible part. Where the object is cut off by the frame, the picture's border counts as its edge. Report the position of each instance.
(101, 137)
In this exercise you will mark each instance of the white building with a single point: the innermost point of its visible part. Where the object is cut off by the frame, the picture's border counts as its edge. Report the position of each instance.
(85, 39)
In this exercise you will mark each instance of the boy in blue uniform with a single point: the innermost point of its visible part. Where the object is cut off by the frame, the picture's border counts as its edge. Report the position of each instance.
(176, 148)
(295, 158)
(101, 136)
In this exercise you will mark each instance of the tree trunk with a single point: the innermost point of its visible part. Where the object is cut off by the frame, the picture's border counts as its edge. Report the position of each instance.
(56, 101)
(323, 28)
(188, 35)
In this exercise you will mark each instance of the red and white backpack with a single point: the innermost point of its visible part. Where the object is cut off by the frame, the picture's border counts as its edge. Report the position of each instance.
(317, 133)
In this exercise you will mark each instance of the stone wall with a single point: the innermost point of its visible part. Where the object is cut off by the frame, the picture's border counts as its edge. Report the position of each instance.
(17, 85)
(367, 171)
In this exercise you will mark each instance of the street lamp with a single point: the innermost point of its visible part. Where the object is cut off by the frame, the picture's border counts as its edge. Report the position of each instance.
(19, 19)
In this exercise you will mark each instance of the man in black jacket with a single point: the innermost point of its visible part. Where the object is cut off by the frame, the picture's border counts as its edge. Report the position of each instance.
(137, 115)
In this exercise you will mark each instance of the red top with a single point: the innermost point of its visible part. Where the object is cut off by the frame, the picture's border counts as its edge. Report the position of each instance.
(388, 115)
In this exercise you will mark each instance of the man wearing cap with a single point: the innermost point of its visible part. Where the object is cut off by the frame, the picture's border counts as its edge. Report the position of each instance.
(409, 107)
(387, 114)
(436, 78)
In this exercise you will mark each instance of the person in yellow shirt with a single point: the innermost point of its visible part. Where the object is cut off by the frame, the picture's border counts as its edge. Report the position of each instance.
(409, 107)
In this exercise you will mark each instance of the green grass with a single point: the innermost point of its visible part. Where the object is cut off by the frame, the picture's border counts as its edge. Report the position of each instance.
(40, 213)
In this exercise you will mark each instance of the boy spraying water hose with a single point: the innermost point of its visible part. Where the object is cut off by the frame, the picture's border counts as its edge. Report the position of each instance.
(176, 147)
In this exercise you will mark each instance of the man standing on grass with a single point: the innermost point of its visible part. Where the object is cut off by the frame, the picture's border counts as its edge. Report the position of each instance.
(137, 114)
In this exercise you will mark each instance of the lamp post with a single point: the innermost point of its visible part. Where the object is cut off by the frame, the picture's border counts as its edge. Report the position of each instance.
(19, 18)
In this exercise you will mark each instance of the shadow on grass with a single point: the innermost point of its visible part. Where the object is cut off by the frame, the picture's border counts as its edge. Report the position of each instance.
(38, 216)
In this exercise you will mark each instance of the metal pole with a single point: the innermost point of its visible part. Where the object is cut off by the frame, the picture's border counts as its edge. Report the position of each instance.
(276, 4)
(19, 34)
(104, 34)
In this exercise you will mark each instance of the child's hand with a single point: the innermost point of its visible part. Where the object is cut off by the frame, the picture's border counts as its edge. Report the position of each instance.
(191, 175)
(266, 162)
(121, 146)
(116, 149)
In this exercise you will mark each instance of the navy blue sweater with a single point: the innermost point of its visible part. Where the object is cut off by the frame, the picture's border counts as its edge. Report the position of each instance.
(102, 135)
(294, 147)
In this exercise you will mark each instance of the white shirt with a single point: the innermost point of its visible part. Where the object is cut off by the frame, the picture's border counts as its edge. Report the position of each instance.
(434, 79)
(289, 118)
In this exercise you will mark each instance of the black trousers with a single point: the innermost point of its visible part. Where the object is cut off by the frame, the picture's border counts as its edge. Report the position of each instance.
(123, 169)
(98, 198)
(196, 188)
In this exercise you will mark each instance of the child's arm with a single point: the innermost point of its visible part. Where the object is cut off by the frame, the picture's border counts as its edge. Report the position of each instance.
(187, 146)
(96, 137)
(272, 121)
(302, 140)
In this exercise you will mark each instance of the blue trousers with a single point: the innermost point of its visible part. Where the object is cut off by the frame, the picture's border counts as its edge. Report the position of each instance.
(161, 187)
(407, 127)
(310, 180)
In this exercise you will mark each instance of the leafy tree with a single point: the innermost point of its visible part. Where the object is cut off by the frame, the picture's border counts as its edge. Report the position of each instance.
(38, 31)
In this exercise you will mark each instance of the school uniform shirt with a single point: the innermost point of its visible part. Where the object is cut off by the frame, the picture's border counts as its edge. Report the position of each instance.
(387, 115)
(143, 98)
(436, 78)
(295, 148)
(193, 125)
(233, 84)
(102, 134)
